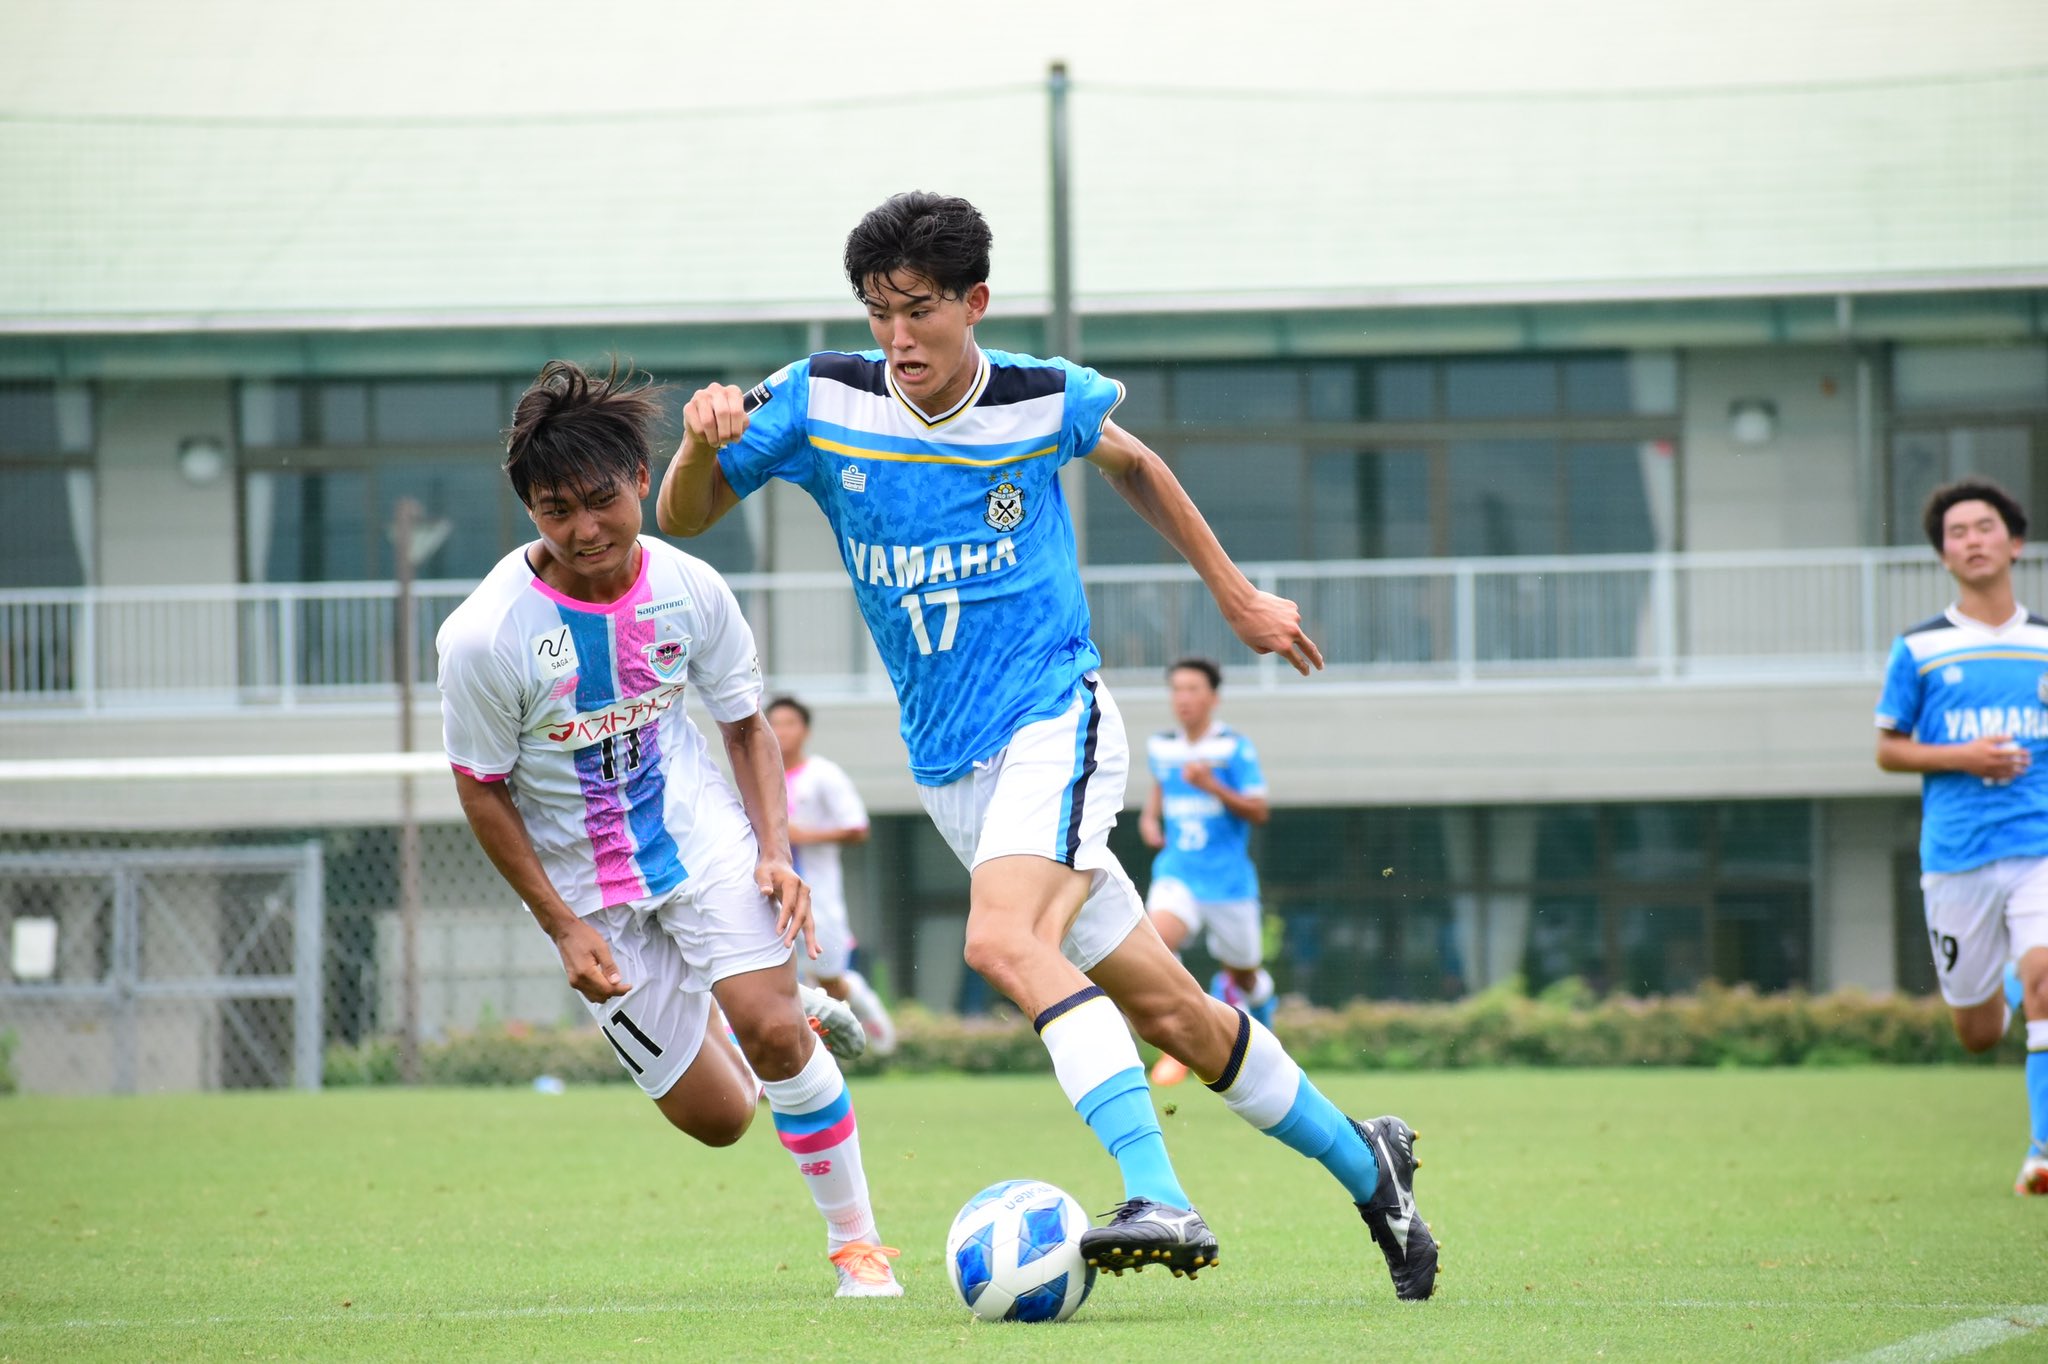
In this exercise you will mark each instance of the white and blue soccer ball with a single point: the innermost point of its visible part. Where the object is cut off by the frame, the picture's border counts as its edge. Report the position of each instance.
(1014, 1253)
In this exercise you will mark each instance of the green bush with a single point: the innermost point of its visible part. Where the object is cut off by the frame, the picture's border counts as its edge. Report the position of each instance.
(8, 1042)
(1565, 1026)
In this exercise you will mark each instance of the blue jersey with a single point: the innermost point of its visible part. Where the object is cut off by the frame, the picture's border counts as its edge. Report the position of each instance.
(953, 529)
(1951, 680)
(1207, 847)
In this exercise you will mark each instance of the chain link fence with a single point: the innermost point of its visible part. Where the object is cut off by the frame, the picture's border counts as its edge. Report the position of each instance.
(144, 962)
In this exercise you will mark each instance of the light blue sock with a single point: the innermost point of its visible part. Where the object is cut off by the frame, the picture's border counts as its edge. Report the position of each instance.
(2037, 1080)
(2015, 993)
(1119, 1112)
(1315, 1127)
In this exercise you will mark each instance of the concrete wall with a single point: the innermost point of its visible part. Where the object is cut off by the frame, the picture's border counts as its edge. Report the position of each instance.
(1854, 931)
(1807, 486)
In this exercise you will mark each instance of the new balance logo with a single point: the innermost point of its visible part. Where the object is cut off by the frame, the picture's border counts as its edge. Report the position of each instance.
(814, 1167)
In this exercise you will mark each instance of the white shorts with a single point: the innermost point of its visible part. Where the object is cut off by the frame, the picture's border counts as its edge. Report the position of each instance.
(1234, 930)
(670, 952)
(1978, 920)
(1053, 791)
(835, 942)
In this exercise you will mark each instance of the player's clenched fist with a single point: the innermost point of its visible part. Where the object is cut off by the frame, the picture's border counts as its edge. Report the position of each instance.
(588, 961)
(715, 416)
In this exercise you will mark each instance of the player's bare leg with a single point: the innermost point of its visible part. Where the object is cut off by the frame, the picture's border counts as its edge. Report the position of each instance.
(1169, 1070)
(1240, 1059)
(1022, 908)
(813, 1117)
(714, 1099)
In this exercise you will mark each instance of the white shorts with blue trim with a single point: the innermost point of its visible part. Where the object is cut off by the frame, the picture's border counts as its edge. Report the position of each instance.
(1053, 791)
(670, 951)
(1234, 929)
(1977, 920)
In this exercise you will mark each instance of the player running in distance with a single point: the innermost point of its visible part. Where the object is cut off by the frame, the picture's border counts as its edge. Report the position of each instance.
(1965, 704)
(936, 463)
(1207, 792)
(825, 813)
(562, 684)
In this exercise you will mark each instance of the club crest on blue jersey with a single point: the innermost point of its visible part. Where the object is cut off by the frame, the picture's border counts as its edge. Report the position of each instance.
(1005, 506)
(667, 657)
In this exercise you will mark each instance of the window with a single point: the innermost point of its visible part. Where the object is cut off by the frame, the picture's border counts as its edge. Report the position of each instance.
(1960, 410)
(1401, 458)
(326, 462)
(46, 478)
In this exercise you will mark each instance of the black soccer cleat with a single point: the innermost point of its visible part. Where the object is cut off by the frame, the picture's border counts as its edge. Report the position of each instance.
(1403, 1237)
(1141, 1232)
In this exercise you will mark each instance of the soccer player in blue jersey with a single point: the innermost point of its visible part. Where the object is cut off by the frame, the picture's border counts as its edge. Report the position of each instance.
(1965, 703)
(1207, 792)
(936, 463)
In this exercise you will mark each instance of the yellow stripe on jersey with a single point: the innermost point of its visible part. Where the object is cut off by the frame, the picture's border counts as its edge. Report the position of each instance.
(897, 457)
(1980, 655)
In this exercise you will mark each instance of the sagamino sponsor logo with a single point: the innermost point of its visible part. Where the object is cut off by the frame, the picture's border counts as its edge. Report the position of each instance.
(649, 610)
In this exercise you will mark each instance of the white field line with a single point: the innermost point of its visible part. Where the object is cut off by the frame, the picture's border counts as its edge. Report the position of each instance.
(2016, 1318)
(1963, 1338)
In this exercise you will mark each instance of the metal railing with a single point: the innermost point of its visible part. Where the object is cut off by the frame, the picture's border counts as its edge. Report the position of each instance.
(1469, 623)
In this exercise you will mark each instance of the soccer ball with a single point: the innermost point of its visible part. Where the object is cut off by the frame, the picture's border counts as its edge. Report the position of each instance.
(1014, 1253)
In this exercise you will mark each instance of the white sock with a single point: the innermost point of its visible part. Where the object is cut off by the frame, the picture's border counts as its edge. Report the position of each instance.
(1261, 1090)
(1261, 991)
(868, 1008)
(814, 1118)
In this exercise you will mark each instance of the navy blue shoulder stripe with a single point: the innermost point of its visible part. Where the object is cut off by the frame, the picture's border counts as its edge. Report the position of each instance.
(2033, 619)
(855, 371)
(1021, 383)
(1941, 622)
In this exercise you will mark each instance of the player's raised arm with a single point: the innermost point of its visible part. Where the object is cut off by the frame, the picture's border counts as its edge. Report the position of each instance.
(694, 493)
(1994, 757)
(1267, 624)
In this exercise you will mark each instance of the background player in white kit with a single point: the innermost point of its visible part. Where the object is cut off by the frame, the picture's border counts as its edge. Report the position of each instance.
(825, 814)
(1207, 792)
(1965, 703)
(562, 685)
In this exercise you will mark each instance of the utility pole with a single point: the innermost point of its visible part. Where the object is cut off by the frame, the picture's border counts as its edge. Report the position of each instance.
(1062, 334)
(405, 538)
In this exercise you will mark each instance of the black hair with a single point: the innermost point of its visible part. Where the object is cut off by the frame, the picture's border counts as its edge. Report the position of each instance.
(803, 712)
(942, 238)
(1207, 667)
(578, 433)
(1972, 489)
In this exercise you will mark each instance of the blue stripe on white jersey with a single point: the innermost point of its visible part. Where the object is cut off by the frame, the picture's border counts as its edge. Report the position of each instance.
(1208, 849)
(1952, 680)
(953, 528)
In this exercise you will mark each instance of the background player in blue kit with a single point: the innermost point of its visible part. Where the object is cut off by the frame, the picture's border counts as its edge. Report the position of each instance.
(1207, 792)
(936, 463)
(1966, 703)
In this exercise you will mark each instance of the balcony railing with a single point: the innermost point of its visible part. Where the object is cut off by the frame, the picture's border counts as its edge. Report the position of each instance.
(1468, 623)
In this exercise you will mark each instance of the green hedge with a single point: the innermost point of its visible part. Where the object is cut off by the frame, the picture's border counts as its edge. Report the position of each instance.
(8, 1041)
(1564, 1026)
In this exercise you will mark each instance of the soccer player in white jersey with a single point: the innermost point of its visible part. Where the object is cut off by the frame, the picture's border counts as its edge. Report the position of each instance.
(1965, 703)
(562, 685)
(937, 462)
(825, 814)
(1207, 792)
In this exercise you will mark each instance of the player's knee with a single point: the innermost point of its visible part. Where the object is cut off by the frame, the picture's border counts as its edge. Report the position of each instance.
(777, 1048)
(724, 1129)
(997, 953)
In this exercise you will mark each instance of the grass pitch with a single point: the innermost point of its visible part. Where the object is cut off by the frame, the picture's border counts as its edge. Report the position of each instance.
(1644, 1215)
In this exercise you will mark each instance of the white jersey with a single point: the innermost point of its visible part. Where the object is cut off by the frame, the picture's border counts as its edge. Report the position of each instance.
(579, 706)
(822, 798)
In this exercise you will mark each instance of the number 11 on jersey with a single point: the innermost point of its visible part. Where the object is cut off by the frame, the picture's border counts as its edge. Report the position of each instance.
(947, 597)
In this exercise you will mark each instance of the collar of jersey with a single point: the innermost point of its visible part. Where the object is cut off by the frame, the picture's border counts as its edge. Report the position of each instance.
(974, 390)
(1214, 731)
(1963, 622)
(594, 608)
